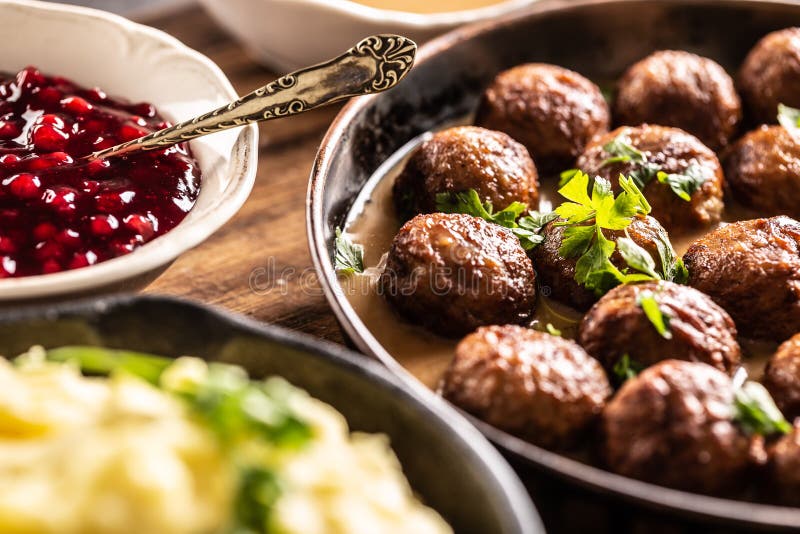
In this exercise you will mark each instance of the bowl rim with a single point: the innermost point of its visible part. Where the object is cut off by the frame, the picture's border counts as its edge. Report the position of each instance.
(450, 425)
(153, 254)
(652, 496)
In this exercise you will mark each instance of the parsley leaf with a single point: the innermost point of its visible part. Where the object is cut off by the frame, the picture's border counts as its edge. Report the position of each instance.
(566, 176)
(620, 150)
(625, 368)
(637, 258)
(103, 361)
(526, 228)
(348, 257)
(594, 268)
(756, 413)
(789, 118)
(552, 330)
(660, 320)
(685, 184)
(672, 267)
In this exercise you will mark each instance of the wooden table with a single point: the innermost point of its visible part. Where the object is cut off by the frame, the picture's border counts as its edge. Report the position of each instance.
(258, 264)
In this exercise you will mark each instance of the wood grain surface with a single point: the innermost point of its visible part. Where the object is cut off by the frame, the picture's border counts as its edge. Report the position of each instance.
(258, 264)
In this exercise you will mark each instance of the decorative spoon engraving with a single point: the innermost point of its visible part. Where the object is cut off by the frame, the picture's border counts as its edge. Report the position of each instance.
(375, 64)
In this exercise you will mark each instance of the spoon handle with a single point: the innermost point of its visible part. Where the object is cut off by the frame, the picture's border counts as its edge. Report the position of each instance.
(375, 64)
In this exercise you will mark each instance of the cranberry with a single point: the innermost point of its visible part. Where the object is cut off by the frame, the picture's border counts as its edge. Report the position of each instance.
(57, 212)
(103, 225)
(48, 138)
(23, 185)
(9, 159)
(9, 130)
(44, 231)
(76, 105)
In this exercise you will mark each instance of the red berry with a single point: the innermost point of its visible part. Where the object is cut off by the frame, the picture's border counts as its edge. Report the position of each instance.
(128, 132)
(9, 159)
(48, 250)
(7, 245)
(9, 130)
(51, 266)
(96, 94)
(61, 199)
(145, 110)
(69, 238)
(43, 231)
(49, 96)
(29, 77)
(48, 138)
(140, 225)
(47, 161)
(82, 259)
(97, 165)
(8, 267)
(102, 143)
(76, 105)
(103, 225)
(23, 185)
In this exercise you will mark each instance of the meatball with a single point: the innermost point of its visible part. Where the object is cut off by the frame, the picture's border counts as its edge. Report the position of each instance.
(782, 378)
(700, 330)
(672, 425)
(670, 150)
(557, 274)
(462, 158)
(542, 388)
(553, 111)
(676, 88)
(763, 171)
(770, 75)
(783, 468)
(752, 269)
(453, 273)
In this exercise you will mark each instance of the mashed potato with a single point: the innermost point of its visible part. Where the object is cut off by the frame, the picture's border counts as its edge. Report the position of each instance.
(118, 455)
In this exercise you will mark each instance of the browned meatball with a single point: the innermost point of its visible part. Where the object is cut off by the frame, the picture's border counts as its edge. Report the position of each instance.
(670, 150)
(553, 111)
(699, 330)
(783, 468)
(672, 425)
(770, 75)
(676, 88)
(752, 269)
(782, 378)
(542, 388)
(763, 171)
(462, 158)
(453, 273)
(557, 274)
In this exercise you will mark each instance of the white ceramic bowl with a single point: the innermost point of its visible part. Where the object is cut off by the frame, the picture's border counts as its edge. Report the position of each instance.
(288, 34)
(129, 60)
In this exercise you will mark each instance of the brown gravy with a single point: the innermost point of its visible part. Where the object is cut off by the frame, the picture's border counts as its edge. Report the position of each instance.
(372, 222)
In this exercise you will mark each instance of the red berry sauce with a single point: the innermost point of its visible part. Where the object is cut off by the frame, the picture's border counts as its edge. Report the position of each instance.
(57, 215)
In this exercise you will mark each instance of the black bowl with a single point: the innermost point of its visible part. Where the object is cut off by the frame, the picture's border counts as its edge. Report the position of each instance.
(598, 38)
(452, 467)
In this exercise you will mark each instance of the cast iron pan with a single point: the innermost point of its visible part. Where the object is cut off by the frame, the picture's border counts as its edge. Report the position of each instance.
(599, 39)
(453, 468)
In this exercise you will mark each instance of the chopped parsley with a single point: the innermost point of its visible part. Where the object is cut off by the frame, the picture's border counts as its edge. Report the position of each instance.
(684, 185)
(660, 320)
(585, 219)
(552, 330)
(756, 413)
(348, 257)
(527, 228)
(620, 150)
(625, 368)
(789, 118)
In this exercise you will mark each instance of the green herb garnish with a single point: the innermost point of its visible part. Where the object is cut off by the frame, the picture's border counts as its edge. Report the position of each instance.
(348, 257)
(102, 361)
(587, 242)
(625, 368)
(552, 330)
(660, 320)
(527, 228)
(685, 184)
(620, 150)
(756, 412)
(789, 118)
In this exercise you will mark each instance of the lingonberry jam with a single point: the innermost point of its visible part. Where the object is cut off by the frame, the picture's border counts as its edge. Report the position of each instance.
(57, 213)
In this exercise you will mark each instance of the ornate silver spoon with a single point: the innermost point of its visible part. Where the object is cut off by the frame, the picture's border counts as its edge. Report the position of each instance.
(375, 64)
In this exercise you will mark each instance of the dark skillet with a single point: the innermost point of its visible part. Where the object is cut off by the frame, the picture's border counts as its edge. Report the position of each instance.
(448, 463)
(597, 38)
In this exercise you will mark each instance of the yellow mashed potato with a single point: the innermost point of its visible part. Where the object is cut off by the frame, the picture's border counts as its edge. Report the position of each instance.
(118, 455)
